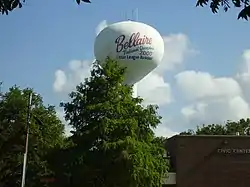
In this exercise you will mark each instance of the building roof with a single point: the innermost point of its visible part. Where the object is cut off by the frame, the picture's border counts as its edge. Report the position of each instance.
(209, 136)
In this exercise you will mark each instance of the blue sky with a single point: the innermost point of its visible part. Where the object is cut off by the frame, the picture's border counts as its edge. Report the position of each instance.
(45, 36)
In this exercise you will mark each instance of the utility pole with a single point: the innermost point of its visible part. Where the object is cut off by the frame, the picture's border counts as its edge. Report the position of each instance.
(27, 139)
(1, 84)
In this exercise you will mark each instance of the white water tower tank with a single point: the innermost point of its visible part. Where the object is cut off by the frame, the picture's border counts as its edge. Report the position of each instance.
(136, 46)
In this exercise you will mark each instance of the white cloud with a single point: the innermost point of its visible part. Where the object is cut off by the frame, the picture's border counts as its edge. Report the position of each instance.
(164, 131)
(60, 114)
(215, 99)
(200, 85)
(243, 77)
(216, 111)
(65, 81)
(154, 90)
(60, 80)
(177, 48)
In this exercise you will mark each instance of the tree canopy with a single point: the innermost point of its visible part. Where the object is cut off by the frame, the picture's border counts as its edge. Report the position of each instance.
(7, 6)
(215, 5)
(46, 132)
(242, 127)
(113, 141)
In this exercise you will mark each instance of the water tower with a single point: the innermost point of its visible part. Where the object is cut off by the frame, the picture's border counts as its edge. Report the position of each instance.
(135, 45)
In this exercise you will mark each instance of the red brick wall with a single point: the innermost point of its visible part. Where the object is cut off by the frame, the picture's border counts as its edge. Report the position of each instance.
(211, 161)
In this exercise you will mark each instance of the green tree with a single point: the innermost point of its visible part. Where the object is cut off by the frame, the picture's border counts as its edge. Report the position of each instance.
(230, 128)
(46, 132)
(215, 5)
(113, 141)
(7, 6)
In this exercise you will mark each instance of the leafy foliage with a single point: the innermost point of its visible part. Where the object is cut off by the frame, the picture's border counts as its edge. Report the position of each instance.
(46, 132)
(226, 5)
(113, 143)
(7, 6)
(230, 128)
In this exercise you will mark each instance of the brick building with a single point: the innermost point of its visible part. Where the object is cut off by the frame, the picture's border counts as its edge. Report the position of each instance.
(209, 161)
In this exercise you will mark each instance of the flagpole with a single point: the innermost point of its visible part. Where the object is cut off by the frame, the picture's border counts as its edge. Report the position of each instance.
(27, 139)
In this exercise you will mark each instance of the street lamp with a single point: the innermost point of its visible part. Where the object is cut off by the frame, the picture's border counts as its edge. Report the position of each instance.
(27, 138)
